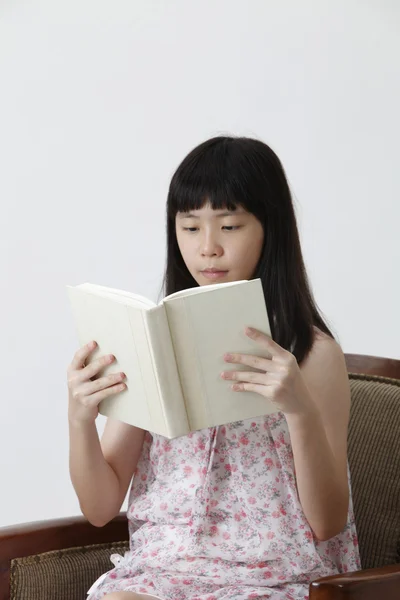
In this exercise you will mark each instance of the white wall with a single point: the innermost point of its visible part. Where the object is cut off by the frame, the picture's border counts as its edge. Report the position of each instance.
(99, 103)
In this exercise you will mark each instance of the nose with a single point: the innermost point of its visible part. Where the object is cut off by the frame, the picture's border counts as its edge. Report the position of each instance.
(210, 245)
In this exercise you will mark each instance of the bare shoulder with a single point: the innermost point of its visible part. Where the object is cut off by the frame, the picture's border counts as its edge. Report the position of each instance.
(325, 374)
(325, 371)
(325, 358)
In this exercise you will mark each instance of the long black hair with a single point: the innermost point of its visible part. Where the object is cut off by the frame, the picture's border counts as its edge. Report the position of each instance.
(228, 172)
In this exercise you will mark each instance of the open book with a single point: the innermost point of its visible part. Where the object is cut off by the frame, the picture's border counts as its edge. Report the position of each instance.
(172, 353)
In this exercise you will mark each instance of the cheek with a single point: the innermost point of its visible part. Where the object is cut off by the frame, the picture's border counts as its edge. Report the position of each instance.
(258, 242)
(181, 243)
(251, 247)
(251, 253)
(185, 250)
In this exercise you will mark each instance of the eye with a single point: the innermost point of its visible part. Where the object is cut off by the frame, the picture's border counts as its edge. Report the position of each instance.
(190, 229)
(231, 227)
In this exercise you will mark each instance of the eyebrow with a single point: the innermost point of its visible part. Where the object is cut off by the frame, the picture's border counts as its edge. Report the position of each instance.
(228, 213)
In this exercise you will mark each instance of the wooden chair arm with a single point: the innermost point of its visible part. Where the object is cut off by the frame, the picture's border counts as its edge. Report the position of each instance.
(373, 365)
(369, 584)
(55, 534)
(26, 539)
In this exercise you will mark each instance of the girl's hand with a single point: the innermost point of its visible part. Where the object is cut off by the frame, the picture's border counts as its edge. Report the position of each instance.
(279, 379)
(85, 395)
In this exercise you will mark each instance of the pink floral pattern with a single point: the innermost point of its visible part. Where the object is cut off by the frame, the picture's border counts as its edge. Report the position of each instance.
(216, 514)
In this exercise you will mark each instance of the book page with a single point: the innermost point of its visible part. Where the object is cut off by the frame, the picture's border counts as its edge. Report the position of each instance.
(200, 290)
(203, 328)
(119, 295)
(120, 330)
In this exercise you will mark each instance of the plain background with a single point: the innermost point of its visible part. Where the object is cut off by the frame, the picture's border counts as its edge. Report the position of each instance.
(99, 103)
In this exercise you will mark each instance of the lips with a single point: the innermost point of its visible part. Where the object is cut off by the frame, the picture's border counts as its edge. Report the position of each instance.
(213, 270)
(213, 273)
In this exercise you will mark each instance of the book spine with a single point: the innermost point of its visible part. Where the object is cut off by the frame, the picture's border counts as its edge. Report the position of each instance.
(166, 372)
(188, 362)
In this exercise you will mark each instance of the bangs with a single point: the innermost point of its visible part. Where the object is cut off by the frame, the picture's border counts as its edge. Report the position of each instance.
(196, 198)
(217, 172)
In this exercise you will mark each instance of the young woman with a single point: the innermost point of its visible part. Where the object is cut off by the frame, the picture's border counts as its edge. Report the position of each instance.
(252, 509)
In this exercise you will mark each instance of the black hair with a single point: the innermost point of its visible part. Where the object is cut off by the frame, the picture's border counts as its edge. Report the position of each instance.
(228, 172)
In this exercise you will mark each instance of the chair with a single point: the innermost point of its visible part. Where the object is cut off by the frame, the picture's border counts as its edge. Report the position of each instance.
(60, 559)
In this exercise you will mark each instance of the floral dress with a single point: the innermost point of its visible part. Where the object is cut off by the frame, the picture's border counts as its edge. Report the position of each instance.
(216, 514)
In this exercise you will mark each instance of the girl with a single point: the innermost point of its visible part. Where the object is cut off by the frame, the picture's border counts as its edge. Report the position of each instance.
(252, 509)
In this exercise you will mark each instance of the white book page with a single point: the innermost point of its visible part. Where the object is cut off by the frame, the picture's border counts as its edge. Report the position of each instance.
(120, 330)
(118, 295)
(206, 328)
(201, 290)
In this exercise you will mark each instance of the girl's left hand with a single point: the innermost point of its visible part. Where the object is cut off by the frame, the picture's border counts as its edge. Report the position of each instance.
(280, 380)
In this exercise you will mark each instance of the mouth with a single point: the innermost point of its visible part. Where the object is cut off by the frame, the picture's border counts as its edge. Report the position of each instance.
(213, 273)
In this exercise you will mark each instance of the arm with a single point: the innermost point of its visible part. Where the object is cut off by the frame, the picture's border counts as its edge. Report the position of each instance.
(101, 473)
(319, 440)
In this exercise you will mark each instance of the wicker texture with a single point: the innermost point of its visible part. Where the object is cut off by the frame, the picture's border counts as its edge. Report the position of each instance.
(374, 458)
(61, 574)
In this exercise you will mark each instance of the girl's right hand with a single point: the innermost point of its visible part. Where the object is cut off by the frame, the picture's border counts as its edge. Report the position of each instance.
(84, 394)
